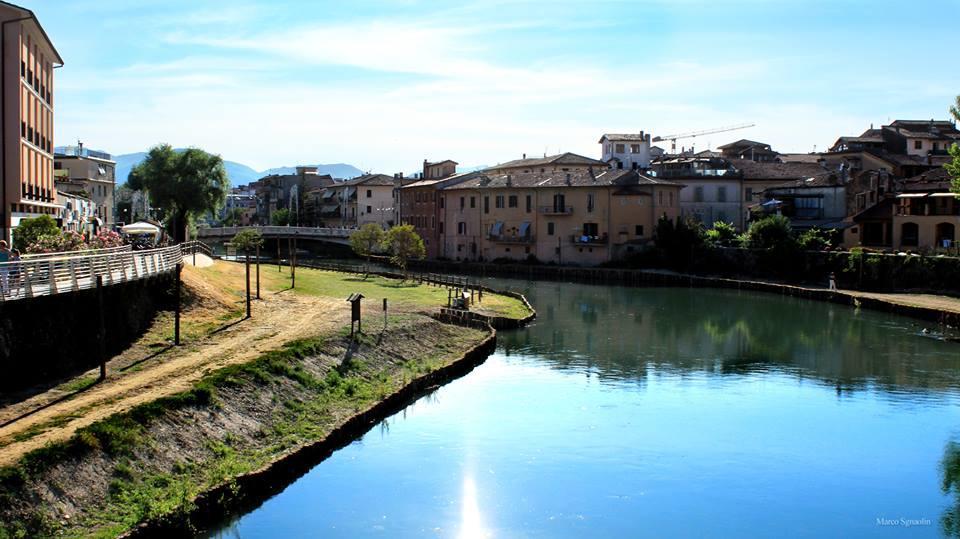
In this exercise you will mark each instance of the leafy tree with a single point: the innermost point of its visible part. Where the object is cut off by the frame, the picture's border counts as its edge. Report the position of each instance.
(233, 217)
(769, 232)
(953, 168)
(404, 244)
(184, 184)
(367, 240)
(280, 217)
(721, 235)
(817, 240)
(678, 240)
(30, 230)
(955, 110)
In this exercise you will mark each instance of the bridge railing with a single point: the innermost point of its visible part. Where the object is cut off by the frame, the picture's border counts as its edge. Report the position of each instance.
(305, 231)
(108, 250)
(71, 272)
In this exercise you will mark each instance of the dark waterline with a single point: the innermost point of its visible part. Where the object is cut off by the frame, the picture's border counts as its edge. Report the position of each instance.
(657, 412)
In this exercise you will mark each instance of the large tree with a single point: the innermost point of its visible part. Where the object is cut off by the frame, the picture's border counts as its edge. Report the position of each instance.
(184, 183)
(953, 167)
(404, 244)
(367, 240)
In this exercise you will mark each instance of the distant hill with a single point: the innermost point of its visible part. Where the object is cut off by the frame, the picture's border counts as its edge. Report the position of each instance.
(337, 170)
(238, 173)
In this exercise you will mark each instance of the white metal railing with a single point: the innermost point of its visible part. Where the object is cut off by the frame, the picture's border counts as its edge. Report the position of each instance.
(36, 256)
(70, 272)
(304, 231)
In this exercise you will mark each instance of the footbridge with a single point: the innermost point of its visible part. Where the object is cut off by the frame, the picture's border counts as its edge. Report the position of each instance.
(332, 235)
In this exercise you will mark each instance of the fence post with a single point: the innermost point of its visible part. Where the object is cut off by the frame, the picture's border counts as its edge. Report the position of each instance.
(176, 312)
(258, 272)
(102, 332)
(246, 255)
(53, 277)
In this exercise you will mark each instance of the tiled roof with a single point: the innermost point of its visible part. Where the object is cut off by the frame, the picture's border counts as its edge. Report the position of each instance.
(743, 143)
(559, 159)
(427, 182)
(370, 179)
(753, 170)
(533, 180)
(825, 179)
(937, 179)
(637, 137)
(799, 157)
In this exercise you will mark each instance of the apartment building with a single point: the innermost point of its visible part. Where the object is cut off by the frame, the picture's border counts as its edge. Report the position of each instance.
(712, 192)
(583, 217)
(376, 199)
(629, 151)
(563, 162)
(29, 57)
(288, 191)
(89, 173)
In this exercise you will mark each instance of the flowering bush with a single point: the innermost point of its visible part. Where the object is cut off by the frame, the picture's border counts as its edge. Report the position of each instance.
(74, 241)
(105, 239)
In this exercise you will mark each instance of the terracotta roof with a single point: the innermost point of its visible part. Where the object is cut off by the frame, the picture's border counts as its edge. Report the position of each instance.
(429, 164)
(937, 179)
(744, 143)
(823, 180)
(637, 137)
(752, 170)
(370, 179)
(534, 180)
(427, 182)
(566, 158)
(799, 157)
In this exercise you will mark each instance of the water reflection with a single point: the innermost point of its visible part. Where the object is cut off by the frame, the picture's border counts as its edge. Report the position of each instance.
(625, 333)
(950, 470)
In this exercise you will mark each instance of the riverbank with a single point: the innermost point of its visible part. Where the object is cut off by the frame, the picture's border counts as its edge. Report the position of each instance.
(225, 436)
(938, 309)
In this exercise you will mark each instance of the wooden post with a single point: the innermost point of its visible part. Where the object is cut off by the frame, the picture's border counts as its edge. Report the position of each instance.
(176, 311)
(258, 271)
(194, 253)
(102, 330)
(246, 254)
(293, 270)
(278, 255)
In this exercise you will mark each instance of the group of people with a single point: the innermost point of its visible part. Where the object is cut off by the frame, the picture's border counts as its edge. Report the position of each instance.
(9, 273)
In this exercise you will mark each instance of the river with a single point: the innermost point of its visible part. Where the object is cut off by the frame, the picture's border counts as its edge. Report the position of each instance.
(658, 412)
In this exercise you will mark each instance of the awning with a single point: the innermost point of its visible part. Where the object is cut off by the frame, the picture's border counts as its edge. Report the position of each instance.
(141, 227)
(330, 208)
(525, 229)
(496, 229)
(951, 195)
(327, 193)
(772, 202)
(911, 195)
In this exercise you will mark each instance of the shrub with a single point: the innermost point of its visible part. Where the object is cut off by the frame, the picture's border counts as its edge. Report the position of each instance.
(769, 232)
(30, 230)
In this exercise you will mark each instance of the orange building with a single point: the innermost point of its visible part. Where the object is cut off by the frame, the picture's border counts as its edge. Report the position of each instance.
(27, 59)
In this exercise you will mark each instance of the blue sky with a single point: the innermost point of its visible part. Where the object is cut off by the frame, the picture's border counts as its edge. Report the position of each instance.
(383, 85)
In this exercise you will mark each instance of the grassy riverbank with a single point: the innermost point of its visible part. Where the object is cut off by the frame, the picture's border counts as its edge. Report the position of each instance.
(152, 459)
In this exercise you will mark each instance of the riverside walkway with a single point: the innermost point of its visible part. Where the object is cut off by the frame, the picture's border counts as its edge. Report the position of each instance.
(59, 273)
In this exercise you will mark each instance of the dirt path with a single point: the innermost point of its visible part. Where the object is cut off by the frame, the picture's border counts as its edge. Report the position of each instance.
(926, 301)
(278, 319)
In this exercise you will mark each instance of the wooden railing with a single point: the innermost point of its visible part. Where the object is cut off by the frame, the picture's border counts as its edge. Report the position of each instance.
(59, 273)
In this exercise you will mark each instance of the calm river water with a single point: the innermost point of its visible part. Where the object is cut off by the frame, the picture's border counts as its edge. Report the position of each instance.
(624, 412)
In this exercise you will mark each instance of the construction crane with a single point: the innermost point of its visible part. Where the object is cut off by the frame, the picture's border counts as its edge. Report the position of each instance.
(694, 134)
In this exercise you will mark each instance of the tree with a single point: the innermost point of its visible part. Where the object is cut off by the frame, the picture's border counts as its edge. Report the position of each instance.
(404, 244)
(30, 230)
(248, 239)
(367, 240)
(955, 110)
(769, 232)
(953, 168)
(721, 235)
(183, 183)
(280, 217)
(233, 217)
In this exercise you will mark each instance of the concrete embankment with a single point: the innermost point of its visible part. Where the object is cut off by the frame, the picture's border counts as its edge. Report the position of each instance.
(902, 304)
(176, 465)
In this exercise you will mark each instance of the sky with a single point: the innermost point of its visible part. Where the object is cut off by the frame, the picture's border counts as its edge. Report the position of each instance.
(384, 85)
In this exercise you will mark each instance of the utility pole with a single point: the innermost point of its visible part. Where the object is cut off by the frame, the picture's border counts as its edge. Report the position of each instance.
(246, 253)
(258, 271)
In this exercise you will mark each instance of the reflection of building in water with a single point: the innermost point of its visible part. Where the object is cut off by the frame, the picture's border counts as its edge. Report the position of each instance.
(626, 332)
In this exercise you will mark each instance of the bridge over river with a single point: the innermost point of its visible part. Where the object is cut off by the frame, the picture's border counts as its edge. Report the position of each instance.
(332, 235)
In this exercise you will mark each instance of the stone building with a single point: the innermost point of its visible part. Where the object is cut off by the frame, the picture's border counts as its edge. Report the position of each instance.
(287, 191)
(712, 192)
(90, 173)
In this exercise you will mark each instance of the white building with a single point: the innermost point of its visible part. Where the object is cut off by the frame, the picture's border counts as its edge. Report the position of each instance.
(626, 151)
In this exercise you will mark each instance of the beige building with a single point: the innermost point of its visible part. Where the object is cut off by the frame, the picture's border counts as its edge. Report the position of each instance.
(27, 118)
(564, 162)
(582, 217)
(376, 199)
(89, 173)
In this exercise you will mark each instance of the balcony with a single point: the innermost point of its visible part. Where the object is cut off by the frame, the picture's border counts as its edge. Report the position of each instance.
(583, 239)
(503, 238)
(556, 210)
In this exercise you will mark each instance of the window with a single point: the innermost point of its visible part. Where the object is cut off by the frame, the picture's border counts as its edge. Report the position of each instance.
(748, 194)
(369, 209)
(722, 193)
(670, 195)
(462, 228)
(639, 230)
(441, 227)
(590, 199)
(461, 202)
(442, 199)
(559, 203)
(634, 148)
(23, 69)
(486, 204)
(529, 203)
(499, 201)
(591, 229)
(936, 146)
(698, 194)
(660, 193)
(23, 129)
(433, 222)
(550, 229)
(909, 234)
(369, 193)
(512, 201)
(918, 145)
(619, 148)
(473, 202)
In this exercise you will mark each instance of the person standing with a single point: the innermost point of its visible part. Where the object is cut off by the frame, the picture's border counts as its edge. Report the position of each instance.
(4, 267)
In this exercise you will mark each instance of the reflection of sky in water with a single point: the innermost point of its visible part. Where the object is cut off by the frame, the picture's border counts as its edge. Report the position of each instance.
(717, 435)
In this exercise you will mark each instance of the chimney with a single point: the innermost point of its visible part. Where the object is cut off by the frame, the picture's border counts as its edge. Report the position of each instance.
(524, 155)
(510, 180)
(641, 135)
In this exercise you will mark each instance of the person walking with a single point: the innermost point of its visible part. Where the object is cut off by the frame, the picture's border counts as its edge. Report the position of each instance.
(16, 271)
(4, 267)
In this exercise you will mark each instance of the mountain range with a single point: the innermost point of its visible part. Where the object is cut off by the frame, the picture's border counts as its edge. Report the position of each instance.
(238, 173)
